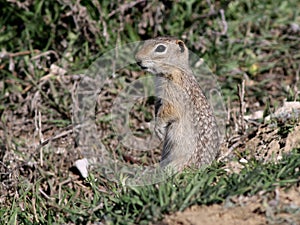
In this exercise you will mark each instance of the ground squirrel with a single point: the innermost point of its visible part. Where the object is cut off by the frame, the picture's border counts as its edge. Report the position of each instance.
(184, 119)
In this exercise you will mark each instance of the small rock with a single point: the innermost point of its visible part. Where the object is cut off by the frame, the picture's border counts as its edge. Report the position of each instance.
(82, 166)
(243, 160)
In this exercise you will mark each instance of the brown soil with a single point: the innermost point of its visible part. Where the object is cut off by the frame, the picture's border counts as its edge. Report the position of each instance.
(217, 214)
(256, 210)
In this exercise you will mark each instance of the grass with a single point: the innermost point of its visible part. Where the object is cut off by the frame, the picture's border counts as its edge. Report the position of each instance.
(139, 205)
(249, 40)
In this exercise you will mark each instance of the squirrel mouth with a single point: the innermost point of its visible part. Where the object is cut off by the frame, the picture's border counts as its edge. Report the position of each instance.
(141, 65)
(144, 67)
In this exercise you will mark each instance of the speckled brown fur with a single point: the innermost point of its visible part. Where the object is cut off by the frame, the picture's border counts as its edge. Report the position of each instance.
(184, 119)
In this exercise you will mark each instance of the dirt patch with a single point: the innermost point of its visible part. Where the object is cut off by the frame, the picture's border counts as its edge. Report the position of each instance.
(217, 214)
(280, 207)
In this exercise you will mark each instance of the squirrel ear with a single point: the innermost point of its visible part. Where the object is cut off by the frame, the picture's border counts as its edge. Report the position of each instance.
(181, 45)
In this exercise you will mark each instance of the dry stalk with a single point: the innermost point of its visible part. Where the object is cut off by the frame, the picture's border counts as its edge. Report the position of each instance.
(241, 90)
(223, 22)
(297, 83)
(38, 129)
(125, 7)
(104, 24)
(41, 137)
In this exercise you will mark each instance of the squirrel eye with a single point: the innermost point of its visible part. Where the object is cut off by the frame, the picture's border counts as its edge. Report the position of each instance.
(160, 48)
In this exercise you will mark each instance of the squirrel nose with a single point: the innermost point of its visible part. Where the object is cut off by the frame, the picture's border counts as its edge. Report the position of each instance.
(140, 64)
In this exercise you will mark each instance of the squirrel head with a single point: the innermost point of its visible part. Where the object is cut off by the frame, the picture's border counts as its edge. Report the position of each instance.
(162, 55)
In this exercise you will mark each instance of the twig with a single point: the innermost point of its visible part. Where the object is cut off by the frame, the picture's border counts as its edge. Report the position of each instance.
(38, 128)
(41, 137)
(296, 91)
(62, 134)
(45, 195)
(59, 189)
(211, 6)
(241, 90)
(224, 23)
(5, 54)
(33, 201)
(230, 150)
(104, 32)
(45, 54)
(100, 206)
(124, 7)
